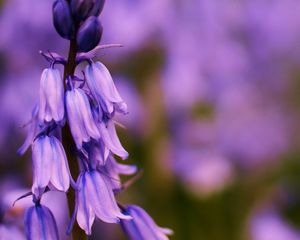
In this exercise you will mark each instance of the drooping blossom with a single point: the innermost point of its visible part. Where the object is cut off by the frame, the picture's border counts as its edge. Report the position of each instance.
(80, 117)
(50, 164)
(51, 105)
(40, 223)
(142, 226)
(103, 89)
(96, 198)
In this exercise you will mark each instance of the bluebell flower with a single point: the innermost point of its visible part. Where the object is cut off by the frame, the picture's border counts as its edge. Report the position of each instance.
(33, 129)
(97, 153)
(40, 224)
(50, 165)
(51, 106)
(142, 226)
(96, 198)
(110, 138)
(103, 88)
(113, 170)
(80, 117)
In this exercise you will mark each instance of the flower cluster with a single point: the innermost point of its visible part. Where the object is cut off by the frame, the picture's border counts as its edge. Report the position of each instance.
(84, 106)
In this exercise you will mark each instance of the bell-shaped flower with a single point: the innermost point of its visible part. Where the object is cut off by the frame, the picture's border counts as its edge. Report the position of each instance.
(103, 88)
(113, 170)
(51, 106)
(110, 138)
(96, 198)
(142, 226)
(97, 153)
(33, 128)
(80, 117)
(50, 165)
(40, 224)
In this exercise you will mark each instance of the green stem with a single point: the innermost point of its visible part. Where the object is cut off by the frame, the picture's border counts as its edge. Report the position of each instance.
(69, 145)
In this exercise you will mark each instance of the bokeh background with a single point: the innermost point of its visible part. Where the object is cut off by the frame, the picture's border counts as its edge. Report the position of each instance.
(213, 88)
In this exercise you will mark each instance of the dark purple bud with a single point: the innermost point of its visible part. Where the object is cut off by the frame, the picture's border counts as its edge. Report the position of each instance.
(81, 9)
(98, 7)
(62, 19)
(89, 34)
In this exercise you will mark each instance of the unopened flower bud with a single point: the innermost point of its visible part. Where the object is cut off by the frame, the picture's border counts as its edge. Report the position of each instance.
(98, 7)
(62, 19)
(81, 9)
(89, 34)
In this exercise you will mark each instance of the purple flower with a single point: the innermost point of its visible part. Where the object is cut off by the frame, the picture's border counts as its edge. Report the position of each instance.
(49, 164)
(40, 224)
(113, 169)
(142, 226)
(51, 96)
(103, 88)
(32, 131)
(110, 138)
(80, 117)
(95, 197)
(268, 224)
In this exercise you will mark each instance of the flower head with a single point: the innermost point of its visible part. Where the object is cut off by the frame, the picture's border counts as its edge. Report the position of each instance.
(142, 226)
(51, 106)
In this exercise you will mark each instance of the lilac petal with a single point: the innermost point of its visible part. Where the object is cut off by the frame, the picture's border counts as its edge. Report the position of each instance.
(51, 96)
(31, 132)
(121, 107)
(114, 169)
(122, 168)
(41, 156)
(87, 116)
(40, 224)
(60, 170)
(85, 214)
(43, 101)
(102, 86)
(56, 95)
(111, 140)
(97, 154)
(142, 226)
(101, 198)
(106, 82)
(75, 121)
